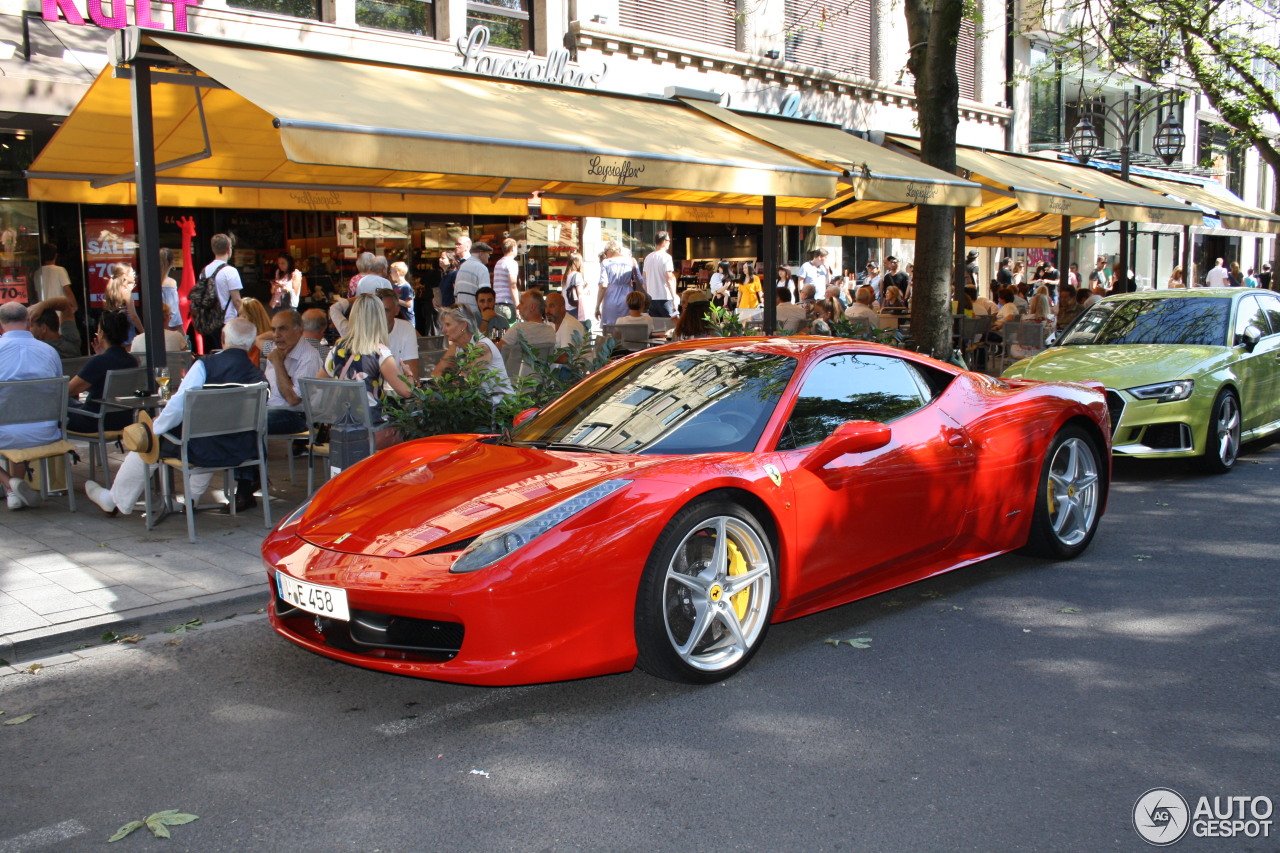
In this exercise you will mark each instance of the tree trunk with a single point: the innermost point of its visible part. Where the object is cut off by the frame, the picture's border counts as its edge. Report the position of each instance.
(934, 29)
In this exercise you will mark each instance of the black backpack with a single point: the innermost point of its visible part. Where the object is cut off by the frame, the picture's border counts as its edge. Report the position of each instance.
(207, 310)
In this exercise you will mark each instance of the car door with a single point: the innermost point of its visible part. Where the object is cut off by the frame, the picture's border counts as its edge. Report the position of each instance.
(1258, 370)
(1267, 355)
(864, 518)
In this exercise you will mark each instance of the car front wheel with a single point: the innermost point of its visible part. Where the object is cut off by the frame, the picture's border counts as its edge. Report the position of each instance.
(1222, 444)
(1069, 498)
(707, 594)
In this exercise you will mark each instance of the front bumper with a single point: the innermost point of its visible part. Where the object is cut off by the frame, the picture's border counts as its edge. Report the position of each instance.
(1147, 429)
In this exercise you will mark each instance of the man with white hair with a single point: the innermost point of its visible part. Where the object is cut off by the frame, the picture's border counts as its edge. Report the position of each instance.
(230, 366)
(1218, 276)
(22, 356)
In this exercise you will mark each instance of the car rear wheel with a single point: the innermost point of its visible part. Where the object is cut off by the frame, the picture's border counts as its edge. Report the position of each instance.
(1069, 498)
(1222, 444)
(707, 594)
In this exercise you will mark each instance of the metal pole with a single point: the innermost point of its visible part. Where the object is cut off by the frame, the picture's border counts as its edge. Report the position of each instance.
(1124, 176)
(1064, 261)
(1186, 256)
(144, 165)
(769, 256)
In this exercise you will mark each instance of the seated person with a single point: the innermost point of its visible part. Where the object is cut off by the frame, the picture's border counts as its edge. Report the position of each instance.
(229, 366)
(791, 317)
(695, 303)
(492, 324)
(364, 353)
(174, 340)
(290, 360)
(862, 312)
(824, 312)
(1068, 307)
(635, 313)
(532, 325)
(24, 357)
(893, 299)
(53, 321)
(113, 331)
(460, 333)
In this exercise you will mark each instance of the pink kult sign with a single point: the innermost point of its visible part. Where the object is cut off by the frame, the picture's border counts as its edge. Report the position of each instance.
(118, 17)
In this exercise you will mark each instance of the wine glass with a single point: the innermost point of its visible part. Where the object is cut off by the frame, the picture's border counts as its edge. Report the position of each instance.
(162, 380)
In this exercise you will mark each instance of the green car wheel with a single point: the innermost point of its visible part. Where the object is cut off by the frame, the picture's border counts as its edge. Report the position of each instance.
(1222, 444)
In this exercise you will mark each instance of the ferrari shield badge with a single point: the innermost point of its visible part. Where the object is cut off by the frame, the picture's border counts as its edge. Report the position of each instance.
(774, 474)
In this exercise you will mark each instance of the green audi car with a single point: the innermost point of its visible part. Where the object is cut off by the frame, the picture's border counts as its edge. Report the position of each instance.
(1189, 373)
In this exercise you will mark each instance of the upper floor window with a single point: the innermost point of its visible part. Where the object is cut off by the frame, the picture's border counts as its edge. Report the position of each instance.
(836, 37)
(415, 17)
(507, 20)
(309, 9)
(712, 22)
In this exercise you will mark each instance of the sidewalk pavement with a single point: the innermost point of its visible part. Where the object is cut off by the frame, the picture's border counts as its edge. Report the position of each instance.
(67, 578)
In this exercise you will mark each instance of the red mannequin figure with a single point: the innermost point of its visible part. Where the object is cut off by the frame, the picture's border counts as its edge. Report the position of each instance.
(188, 226)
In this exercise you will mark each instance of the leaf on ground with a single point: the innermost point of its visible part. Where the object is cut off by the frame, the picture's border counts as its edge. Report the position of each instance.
(132, 638)
(174, 818)
(34, 668)
(855, 642)
(1068, 609)
(158, 829)
(17, 721)
(193, 625)
(125, 830)
(110, 636)
(177, 642)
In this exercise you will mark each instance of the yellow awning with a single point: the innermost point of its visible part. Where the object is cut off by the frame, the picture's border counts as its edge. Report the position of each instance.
(298, 130)
(1120, 200)
(1233, 213)
(871, 172)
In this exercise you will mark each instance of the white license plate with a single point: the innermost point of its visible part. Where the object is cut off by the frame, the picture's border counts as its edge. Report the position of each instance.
(320, 600)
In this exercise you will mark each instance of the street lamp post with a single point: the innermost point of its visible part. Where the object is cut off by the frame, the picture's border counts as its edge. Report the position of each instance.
(1125, 120)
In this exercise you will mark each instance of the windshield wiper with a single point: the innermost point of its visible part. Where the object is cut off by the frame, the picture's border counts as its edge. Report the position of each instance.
(565, 445)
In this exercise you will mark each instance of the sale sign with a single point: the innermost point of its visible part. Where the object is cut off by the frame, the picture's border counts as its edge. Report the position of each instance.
(107, 242)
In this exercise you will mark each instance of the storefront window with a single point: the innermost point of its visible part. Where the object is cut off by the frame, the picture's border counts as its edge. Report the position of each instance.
(402, 16)
(309, 9)
(19, 251)
(507, 20)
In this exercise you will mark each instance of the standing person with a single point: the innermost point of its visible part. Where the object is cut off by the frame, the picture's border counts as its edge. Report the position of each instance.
(226, 279)
(53, 280)
(472, 275)
(286, 289)
(1073, 276)
(1004, 277)
(404, 292)
(750, 290)
(787, 280)
(506, 275)
(617, 279)
(119, 296)
(448, 273)
(1100, 274)
(364, 261)
(971, 271)
(1250, 280)
(660, 277)
(1264, 277)
(873, 279)
(815, 271)
(24, 357)
(1235, 278)
(169, 294)
(573, 285)
(893, 277)
(1018, 276)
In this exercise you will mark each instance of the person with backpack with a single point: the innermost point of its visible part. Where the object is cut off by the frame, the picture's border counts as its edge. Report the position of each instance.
(215, 299)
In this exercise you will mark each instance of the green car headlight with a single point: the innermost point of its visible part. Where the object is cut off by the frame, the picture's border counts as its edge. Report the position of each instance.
(1164, 392)
(496, 544)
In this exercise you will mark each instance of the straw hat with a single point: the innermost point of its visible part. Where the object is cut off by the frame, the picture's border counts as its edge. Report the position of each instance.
(141, 439)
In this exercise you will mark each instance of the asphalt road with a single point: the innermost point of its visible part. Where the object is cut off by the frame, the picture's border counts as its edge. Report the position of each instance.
(1015, 705)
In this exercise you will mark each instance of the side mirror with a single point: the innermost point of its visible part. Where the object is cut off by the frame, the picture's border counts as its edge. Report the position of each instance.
(849, 437)
(1252, 334)
(524, 416)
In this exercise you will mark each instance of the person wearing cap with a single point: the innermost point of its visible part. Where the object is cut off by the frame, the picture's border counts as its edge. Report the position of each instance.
(971, 271)
(230, 366)
(472, 275)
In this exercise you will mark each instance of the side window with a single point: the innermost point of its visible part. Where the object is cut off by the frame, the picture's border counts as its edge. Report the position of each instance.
(1250, 313)
(851, 388)
(1271, 305)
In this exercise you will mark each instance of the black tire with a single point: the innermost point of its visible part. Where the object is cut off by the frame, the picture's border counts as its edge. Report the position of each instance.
(1222, 436)
(689, 585)
(1069, 496)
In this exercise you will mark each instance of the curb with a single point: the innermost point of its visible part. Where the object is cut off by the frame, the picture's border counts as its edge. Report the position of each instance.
(53, 639)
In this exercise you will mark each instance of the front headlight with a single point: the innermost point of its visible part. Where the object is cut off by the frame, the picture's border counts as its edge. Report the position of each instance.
(496, 544)
(1164, 392)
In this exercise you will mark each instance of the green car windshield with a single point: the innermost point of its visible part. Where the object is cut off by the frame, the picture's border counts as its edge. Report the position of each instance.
(1199, 321)
(667, 402)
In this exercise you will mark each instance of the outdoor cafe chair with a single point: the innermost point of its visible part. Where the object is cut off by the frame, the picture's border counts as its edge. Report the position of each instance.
(33, 401)
(325, 401)
(119, 383)
(73, 366)
(178, 362)
(209, 413)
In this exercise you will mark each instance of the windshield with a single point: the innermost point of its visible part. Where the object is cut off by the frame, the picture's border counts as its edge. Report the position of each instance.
(1199, 321)
(681, 402)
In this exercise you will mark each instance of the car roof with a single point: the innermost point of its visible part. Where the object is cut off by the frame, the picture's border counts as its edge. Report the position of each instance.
(1183, 293)
(804, 348)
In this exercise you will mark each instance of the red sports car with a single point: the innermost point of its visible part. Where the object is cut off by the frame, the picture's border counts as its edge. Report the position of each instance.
(667, 509)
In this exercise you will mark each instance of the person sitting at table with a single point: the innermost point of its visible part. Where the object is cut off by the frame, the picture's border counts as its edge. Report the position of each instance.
(315, 323)
(532, 325)
(53, 321)
(461, 335)
(289, 360)
(692, 324)
(402, 338)
(1008, 312)
(982, 306)
(113, 331)
(863, 311)
(228, 366)
(1068, 307)
(255, 312)
(824, 314)
(635, 315)
(23, 357)
(492, 324)
(1039, 308)
(174, 340)
(791, 317)
(363, 353)
(893, 298)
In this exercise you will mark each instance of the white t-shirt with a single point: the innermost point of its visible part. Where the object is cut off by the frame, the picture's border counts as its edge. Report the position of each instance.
(656, 266)
(642, 320)
(982, 305)
(505, 274)
(403, 341)
(227, 280)
(815, 274)
(564, 334)
(52, 279)
(1216, 277)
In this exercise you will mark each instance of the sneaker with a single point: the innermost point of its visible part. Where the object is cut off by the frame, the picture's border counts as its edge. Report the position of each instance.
(101, 496)
(22, 496)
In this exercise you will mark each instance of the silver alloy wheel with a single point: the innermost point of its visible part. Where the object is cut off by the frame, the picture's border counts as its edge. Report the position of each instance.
(716, 593)
(1227, 429)
(1073, 491)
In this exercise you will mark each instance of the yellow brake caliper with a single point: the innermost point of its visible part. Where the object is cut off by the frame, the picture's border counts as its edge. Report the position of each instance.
(738, 566)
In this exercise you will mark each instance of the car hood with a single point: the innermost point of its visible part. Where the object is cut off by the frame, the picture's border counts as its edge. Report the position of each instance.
(1120, 366)
(428, 495)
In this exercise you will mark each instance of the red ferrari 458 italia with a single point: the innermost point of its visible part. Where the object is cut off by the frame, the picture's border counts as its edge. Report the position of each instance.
(667, 509)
